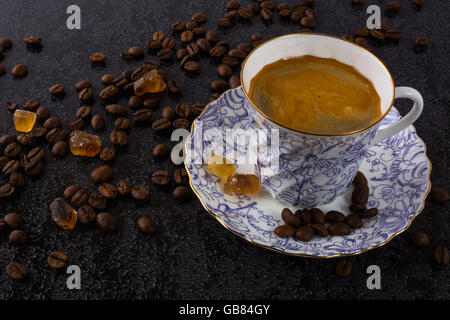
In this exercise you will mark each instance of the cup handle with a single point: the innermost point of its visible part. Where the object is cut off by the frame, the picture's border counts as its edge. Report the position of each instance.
(413, 114)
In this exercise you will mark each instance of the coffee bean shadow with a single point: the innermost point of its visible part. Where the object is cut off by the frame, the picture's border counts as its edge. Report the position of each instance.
(98, 65)
(34, 48)
(267, 23)
(58, 97)
(391, 14)
(416, 7)
(419, 50)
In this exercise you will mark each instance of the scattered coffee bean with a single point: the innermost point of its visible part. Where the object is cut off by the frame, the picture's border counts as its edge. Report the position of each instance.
(17, 237)
(174, 87)
(284, 231)
(161, 151)
(393, 34)
(5, 43)
(56, 89)
(55, 135)
(70, 191)
(97, 201)
(97, 122)
(102, 174)
(343, 268)
(6, 190)
(86, 94)
(161, 177)
(181, 123)
(12, 150)
(57, 260)
(107, 154)
(419, 239)
(123, 188)
(119, 138)
(219, 86)
(16, 270)
(97, 57)
(146, 225)
(245, 13)
(108, 190)
(192, 66)
(182, 193)
(60, 149)
(140, 193)
(106, 222)
(441, 255)
(109, 92)
(79, 198)
(180, 176)
(234, 82)
(377, 34)
(13, 220)
(17, 179)
(116, 109)
(393, 6)
(19, 71)
(161, 124)
(83, 84)
(86, 214)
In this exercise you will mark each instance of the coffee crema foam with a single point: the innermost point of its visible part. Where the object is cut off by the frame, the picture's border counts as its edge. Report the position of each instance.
(316, 95)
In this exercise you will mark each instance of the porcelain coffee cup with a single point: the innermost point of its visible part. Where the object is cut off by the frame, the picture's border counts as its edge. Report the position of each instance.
(316, 169)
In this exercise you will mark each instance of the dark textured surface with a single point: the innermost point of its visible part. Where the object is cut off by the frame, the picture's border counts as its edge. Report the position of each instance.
(192, 255)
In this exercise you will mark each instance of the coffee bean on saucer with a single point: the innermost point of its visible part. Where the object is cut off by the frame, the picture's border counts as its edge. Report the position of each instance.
(57, 260)
(369, 213)
(439, 195)
(339, 229)
(102, 174)
(284, 231)
(182, 193)
(360, 178)
(360, 194)
(441, 255)
(304, 233)
(161, 151)
(139, 193)
(106, 222)
(318, 216)
(161, 177)
(83, 84)
(320, 229)
(17, 237)
(60, 149)
(304, 215)
(343, 268)
(354, 221)
(16, 270)
(290, 218)
(146, 225)
(419, 239)
(86, 214)
(19, 71)
(357, 208)
(123, 188)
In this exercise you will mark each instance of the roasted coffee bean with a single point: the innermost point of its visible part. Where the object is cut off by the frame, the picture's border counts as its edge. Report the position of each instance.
(135, 102)
(97, 201)
(357, 208)
(11, 166)
(26, 139)
(245, 47)
(5, 43)
(339, 229)
(107, 154)
(83, 84)
(199, 18)
(181, 123)
(86, 214)
(181, 54)
(57, 260)
(224, 71)
(16, 270)
(140, 193)
(232, 4)
(284, 231)
(119, 138)
(60, 149)
(38, 133)
(282, 6)
(285, 13)
(191, 25)
(320, 229)
(108, 190)
(354, 221)
(86, 94)
(122, 123)
(234, 82)
(192, 66)
(224, 22)
(17, 179)
(161, 124)
(142, 115)
(360, 178)
(267, 4)
(187, 36)
(79, 198)
(393, 34)
(245, 13)
(121, 82)
(370, 213)
(109, 92)
(75, 125)
(19, 71)
(108, 79)
(55, 135)
(439, 195)
(254, 7)
(174, 87)
(102, 174)
(12, 150)
(70, 191)
(31, 105)
(52, 122)
(158, 35)
(418, 2)
(11, 106)
(231, 61)
(161, 151)
(97, 122)
(362, 31)
(161, 177)
(168, 113)
(219, 86)
(419, 239)
(2, 224)
(154, 44)
(334, 216)
(97, 57)
(56, 89)
(214, 97)
(17, 237)
(146, 225)
(136, 52)
(84, 112)
(178, 26)
(304, 233)
(123, 188)
(204, 45)
(168, 43)
(290, 219)
(441, 255)
(308, 22)
(217, 51)
(6, 190)
(106, 222)
(152, 103)
(343, 268)
(360, 194)
(193, 49)
(377, 34)
(180, 176)
(393, 6)
(183, 110)
(197, 109)
(116, 109)
(212, 36)
(13, 220)
(318, 216)
(304, 215)
(297, 15)
(199, 32)
(182, 193)
(266, 14)
(236, 53)
(165, 54)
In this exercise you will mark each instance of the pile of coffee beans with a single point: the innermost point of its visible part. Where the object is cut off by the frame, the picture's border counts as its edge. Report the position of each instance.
(305, 223)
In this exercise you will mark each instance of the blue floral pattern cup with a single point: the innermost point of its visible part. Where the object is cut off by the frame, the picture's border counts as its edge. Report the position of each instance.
(316, 169)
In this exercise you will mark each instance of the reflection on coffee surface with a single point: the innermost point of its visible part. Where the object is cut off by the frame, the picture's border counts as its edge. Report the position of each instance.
(316, 95)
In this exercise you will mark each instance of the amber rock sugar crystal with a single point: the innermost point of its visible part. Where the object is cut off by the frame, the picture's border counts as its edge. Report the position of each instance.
(242, 184)
(63, 214)
(84, 144)
(151, 82)
(24, 120)
(220, 166)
